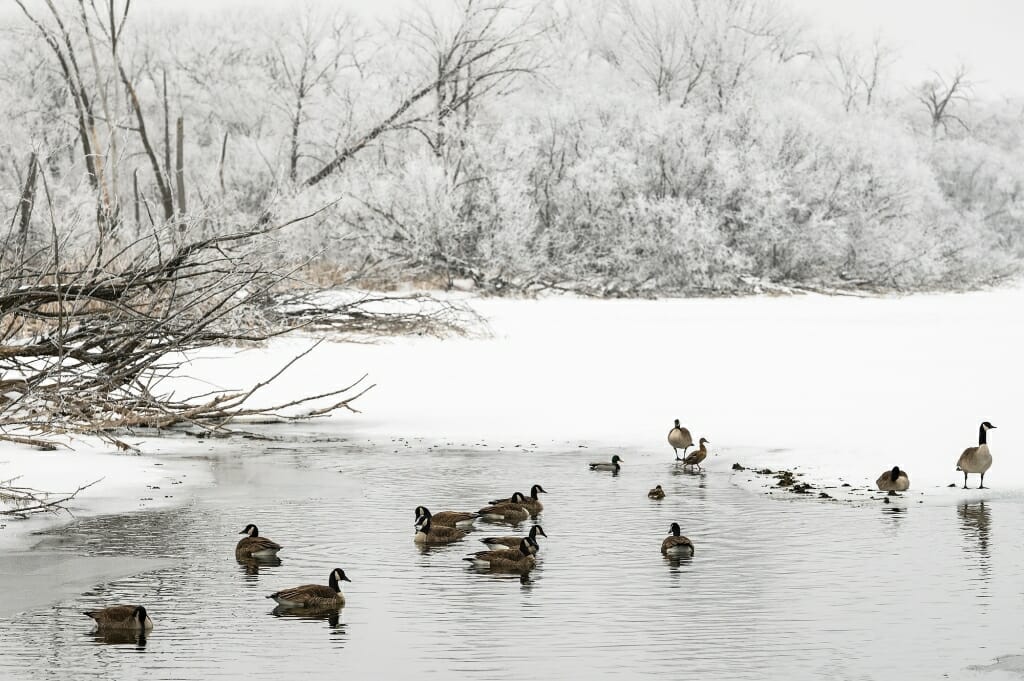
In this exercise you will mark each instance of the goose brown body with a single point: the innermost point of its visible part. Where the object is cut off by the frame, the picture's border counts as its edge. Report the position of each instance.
(496, 543)
(314, 596)
(676, 544)
(513, 510)
(895, 480)
(679, 438)
(428, 533)
(507, 560)
(656, 493)
(977, 459)
(532, 503)
(462, 519)
(127, 617)
(254, 545)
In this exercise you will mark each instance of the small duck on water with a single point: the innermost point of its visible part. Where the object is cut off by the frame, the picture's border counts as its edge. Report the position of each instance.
(606, 466)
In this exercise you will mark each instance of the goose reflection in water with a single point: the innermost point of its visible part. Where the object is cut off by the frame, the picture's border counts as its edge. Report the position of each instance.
(118, 637)
(330, 615)
(251, 565)
(975, 521)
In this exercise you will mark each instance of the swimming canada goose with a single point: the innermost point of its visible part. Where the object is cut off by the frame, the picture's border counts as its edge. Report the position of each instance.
(656, 493)
(314, 596)
(675, 544)
(507, 560)
(679, 438)
(698, 456)
(133, 617)
(428, 533)
(513, 510)
(499, 543)
(254, 545)
(977, 459)
(463, 519)
(532, 502)
(893, 481)
(605, 466)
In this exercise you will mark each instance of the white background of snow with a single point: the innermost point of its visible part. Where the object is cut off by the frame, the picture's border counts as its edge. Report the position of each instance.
(847, 387)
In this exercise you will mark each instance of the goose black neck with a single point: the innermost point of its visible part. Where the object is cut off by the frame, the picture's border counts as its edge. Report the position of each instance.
(333, 582)
(982, 435)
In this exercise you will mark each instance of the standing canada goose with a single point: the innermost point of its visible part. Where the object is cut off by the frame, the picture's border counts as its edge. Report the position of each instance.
(463, 519)
(893, 481)
(500, 543)
(977, 459)
(675, 544)
(508, 560)
(605, 466)
(679, 438)
(131, 617)
(656, 493)
(513, 510)
(698, 456)
(254, 545)
(532, 503)
(428, 533)
(314, 596)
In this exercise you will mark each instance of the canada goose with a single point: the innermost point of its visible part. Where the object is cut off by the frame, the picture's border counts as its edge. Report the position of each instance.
(605, 466)
(513, 510)
(314, 595)
(463, 519)
(977, 459)
(507, 560)
(428, 533)
(675, 544)
(656, 493)
(893, 481)
(698, 456)
(532, 503)
(499, 543)
(133, 617)
(254, 545)
(679, 438)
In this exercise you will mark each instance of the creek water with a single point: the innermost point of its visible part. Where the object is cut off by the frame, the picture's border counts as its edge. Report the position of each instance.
(778, 587)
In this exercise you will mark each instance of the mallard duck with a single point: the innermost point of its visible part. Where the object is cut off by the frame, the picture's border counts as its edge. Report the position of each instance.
(131, 617)
(977, 459)
(254, 545)
(500, 543)
(428, 533)
(675, 544)
(893, 481)
(514, 510)
(314, 596)
(656, 493)
(605, 466)
(508, 560)
(698, 456)
(532, 502)
(463, 519)
(679, 438)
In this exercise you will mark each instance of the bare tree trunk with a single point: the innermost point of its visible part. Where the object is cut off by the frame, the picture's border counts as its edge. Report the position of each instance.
(179, 168)
(28, 199)
(223, 157)
(165, 191)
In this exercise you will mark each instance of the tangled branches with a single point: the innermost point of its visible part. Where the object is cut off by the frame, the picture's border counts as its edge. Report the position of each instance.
(25, 501)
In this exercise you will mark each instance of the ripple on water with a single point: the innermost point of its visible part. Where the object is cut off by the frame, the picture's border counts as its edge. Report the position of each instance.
(777, 587)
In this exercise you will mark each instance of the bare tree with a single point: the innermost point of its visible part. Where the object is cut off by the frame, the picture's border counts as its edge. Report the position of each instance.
(941, 95)
(857, 76)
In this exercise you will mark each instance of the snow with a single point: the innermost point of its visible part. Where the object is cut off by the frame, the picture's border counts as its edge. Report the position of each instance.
(840, 388)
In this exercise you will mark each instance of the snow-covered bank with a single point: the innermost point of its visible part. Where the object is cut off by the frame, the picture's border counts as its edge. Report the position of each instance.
(127, 482)
(841, 387)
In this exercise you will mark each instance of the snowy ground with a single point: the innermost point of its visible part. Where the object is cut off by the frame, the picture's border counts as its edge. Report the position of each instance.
(842, 388)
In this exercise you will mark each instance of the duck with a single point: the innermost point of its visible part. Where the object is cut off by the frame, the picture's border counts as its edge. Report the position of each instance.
(695, 458)
(428, 533)
(129, 617)
(499, 543)
(977, 459)
(679, 438)
(532, 503)
(461, 519)
(255, 546)
(605, 466)
(514, 510)
(656, 493)
(314, 596)
(675, 544)
(507, 560)
(893, 481)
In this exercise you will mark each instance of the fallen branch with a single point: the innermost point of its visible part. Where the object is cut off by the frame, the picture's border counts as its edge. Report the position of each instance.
(29, 501)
